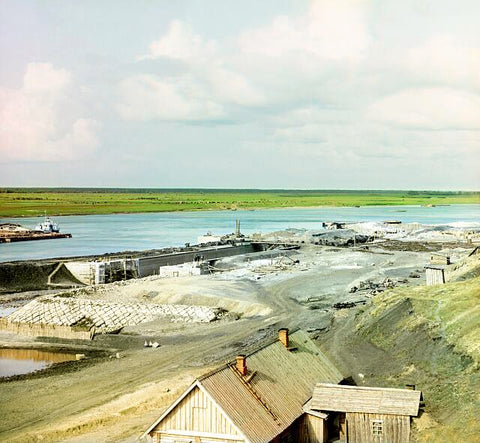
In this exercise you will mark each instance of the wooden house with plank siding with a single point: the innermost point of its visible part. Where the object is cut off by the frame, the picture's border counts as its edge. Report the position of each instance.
(266, 397)
(366, 414)
(258, 398)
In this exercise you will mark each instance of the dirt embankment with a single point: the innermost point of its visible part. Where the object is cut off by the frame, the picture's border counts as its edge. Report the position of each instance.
(428, 337)
(33, 276)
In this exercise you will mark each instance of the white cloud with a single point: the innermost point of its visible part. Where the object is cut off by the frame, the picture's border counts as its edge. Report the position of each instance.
(303, 53)
(428, 108)
(350, 139)
(334, 85)
(147, 97)
(40, 123)
(202, 90)
(446, 59)
(180, 43)
(231, 86)
(332, 30)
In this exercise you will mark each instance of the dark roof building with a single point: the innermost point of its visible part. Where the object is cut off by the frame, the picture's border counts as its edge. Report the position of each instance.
(266, 396)
(256, 399)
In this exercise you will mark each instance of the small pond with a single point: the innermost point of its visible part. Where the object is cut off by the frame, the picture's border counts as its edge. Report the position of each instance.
(24, 361)
(5, 311)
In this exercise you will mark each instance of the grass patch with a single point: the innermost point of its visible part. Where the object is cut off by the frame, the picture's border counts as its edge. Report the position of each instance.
(25, 202)
(451, 310)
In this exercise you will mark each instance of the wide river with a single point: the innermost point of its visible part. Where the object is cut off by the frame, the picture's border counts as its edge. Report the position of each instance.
(98, 234)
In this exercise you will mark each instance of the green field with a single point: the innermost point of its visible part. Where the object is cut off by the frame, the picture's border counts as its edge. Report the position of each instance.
(23, 202)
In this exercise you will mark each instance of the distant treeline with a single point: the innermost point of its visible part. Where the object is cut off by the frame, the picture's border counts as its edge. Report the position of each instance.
(289, 192)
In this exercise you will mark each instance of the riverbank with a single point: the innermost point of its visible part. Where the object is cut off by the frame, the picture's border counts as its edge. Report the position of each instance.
(114, 394)
(16, 202)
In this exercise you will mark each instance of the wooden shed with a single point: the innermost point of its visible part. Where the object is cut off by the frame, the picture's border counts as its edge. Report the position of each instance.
(434, 275)
(259, 398)
(439, 259)
(366, 414)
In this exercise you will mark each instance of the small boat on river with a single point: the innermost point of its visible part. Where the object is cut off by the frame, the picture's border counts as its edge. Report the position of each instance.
(47, 226)
(45, 230)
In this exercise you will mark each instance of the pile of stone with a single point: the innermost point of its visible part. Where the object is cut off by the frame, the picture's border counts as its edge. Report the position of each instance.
(374, 287)
(339, 237)
(103, 316)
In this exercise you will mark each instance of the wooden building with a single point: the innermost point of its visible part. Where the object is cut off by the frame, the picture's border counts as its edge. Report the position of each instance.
(435, 275)
(365, 414)
(259, 398)
(439, 259)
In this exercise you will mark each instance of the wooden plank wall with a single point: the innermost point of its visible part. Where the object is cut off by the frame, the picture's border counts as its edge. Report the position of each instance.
(39, 330)
(396, 428)
(311, 429)
(435, 276)
(197, 413)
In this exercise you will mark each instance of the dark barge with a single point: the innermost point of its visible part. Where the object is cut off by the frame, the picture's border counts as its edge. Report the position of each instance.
(32, 236)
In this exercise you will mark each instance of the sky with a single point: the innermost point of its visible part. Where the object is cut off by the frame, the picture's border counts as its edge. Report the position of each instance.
(327, 94)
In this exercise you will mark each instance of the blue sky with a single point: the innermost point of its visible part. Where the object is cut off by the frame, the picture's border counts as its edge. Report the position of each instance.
(345, 94)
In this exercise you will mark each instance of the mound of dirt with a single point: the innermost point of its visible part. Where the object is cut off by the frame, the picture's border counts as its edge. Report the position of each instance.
(25, 276)
(465, 269)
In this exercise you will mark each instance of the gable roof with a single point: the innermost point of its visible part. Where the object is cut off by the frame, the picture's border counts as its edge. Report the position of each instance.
(272, 395)
(195, 384)
(330, 397)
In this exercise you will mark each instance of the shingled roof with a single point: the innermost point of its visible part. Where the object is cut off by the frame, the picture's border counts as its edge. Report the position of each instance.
(272, 395)
(340, 398)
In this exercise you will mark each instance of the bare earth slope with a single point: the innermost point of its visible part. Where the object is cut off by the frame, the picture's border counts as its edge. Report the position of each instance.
(426, 336)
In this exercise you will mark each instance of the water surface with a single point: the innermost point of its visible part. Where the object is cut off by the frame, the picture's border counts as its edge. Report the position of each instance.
(6, 310)
(97, 234)
(24, 361)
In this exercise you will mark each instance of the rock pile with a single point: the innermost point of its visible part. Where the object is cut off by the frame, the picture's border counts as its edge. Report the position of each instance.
(374, 287)
(339, 237)
(106, 316)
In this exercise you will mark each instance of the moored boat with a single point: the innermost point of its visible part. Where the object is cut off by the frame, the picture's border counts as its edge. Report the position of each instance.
(47, 226)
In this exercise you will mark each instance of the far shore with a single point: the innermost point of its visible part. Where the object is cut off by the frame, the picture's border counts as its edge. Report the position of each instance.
(270, 208)
(19, 204)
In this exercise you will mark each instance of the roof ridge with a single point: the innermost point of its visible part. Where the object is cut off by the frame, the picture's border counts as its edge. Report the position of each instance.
(272, 341)
(225, 365)
(372, 388)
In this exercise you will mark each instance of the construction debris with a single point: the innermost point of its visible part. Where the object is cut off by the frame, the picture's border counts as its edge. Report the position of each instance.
(374, 287)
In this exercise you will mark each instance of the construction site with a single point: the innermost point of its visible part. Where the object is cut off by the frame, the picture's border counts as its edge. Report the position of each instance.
(145, 324)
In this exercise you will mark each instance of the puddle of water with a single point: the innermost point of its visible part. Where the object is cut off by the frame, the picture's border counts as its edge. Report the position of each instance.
(23, 361)
(5, 311)
(8, 308)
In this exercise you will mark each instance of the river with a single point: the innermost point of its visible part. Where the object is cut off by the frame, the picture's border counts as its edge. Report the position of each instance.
(98, 234)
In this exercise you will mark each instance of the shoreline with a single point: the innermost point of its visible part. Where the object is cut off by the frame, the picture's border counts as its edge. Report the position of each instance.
(250, 209)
